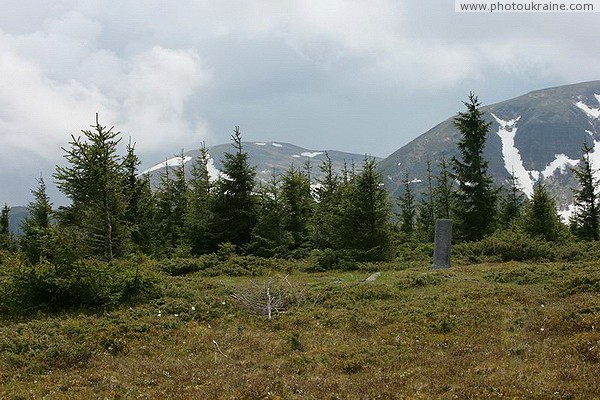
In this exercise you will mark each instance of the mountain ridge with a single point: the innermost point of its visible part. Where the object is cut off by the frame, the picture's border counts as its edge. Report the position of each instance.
(538, 135)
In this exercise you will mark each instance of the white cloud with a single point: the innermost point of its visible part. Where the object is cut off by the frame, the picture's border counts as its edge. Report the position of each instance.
(55, 80)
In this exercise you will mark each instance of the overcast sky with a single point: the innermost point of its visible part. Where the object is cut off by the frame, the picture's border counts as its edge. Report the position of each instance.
(360, 76)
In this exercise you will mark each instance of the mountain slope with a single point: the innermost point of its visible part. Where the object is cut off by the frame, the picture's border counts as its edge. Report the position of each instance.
(539, 136)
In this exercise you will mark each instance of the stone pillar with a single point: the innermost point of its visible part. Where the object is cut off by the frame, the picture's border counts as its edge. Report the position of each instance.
(442, 244)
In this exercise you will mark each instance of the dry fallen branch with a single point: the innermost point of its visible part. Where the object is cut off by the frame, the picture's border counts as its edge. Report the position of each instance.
(263, 299)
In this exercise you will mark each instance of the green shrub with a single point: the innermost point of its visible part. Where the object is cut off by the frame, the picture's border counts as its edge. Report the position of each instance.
(589, 282)
(218, 264)
(522, 275)
(329, 259)
(421, 279)
(85, 283)
(511, 244)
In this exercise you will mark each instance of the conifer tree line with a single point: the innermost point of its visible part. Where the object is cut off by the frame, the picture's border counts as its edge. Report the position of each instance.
(114, 211)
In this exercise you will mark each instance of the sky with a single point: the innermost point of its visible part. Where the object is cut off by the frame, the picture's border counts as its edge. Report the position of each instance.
(363, 76)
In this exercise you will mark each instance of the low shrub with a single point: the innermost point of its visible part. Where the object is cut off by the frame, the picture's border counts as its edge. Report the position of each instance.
(512, 244)
(521, 275)
(588, 282)
(85, 283)
(218, 264)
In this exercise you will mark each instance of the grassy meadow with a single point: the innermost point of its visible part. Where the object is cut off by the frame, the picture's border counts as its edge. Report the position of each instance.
(492, 330)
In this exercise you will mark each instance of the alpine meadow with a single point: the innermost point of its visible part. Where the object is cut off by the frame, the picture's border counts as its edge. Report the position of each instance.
(204, 278)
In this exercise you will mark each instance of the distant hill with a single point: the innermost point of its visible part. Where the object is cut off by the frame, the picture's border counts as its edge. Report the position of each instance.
(266, 157)
(15, 218)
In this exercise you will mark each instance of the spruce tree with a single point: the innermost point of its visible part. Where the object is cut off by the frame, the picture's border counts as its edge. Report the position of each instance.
(426, 208)
(171, 202)
(297, 206)
(147, 233)
(327, 210)
(586, 218)
(476, 197)
(6, 242)
(512, 201)
(268, 236)
(366, 210)
(37, 226)
(199, 216)
(408, 212)
(136, 191)
(93, 181)
(234, 203)
(541, 218)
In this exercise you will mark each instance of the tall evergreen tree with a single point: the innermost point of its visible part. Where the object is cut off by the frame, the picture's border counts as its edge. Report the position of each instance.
(37, 226)
(476, 197)
(541, 218)
(234, 204)
(199, 215)
(408, 211)
(586, 219)
(93, 181)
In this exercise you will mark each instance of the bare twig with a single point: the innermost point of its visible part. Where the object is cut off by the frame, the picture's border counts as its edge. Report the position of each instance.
(219, 349)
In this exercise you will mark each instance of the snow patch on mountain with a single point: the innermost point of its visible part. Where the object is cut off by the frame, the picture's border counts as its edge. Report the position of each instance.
(260, 144)
(297, 156)
(276, 144)
(311, 154)
(511, 155)
(172, 162)
(514, 163)
(591, 112)
(565, 214)
(213, 172)
(560, 163)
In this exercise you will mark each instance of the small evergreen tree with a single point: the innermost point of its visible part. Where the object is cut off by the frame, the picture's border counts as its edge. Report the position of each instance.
(94, 181)
(541, 218)
(199, 216)
(426, 208)
(147, 229)
(366, 210)
(138, 196)
(408, 212)
(476, 198)
(171, 200)
(268, 237)
(586, 218)
(327, 209)
(37, 226)
(512, 201)
(297, 206)
(234, 204)
(6, 240)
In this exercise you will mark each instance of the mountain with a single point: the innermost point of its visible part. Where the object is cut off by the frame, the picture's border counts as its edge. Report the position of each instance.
(539, 136)
(267, 157)
(16, 216)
